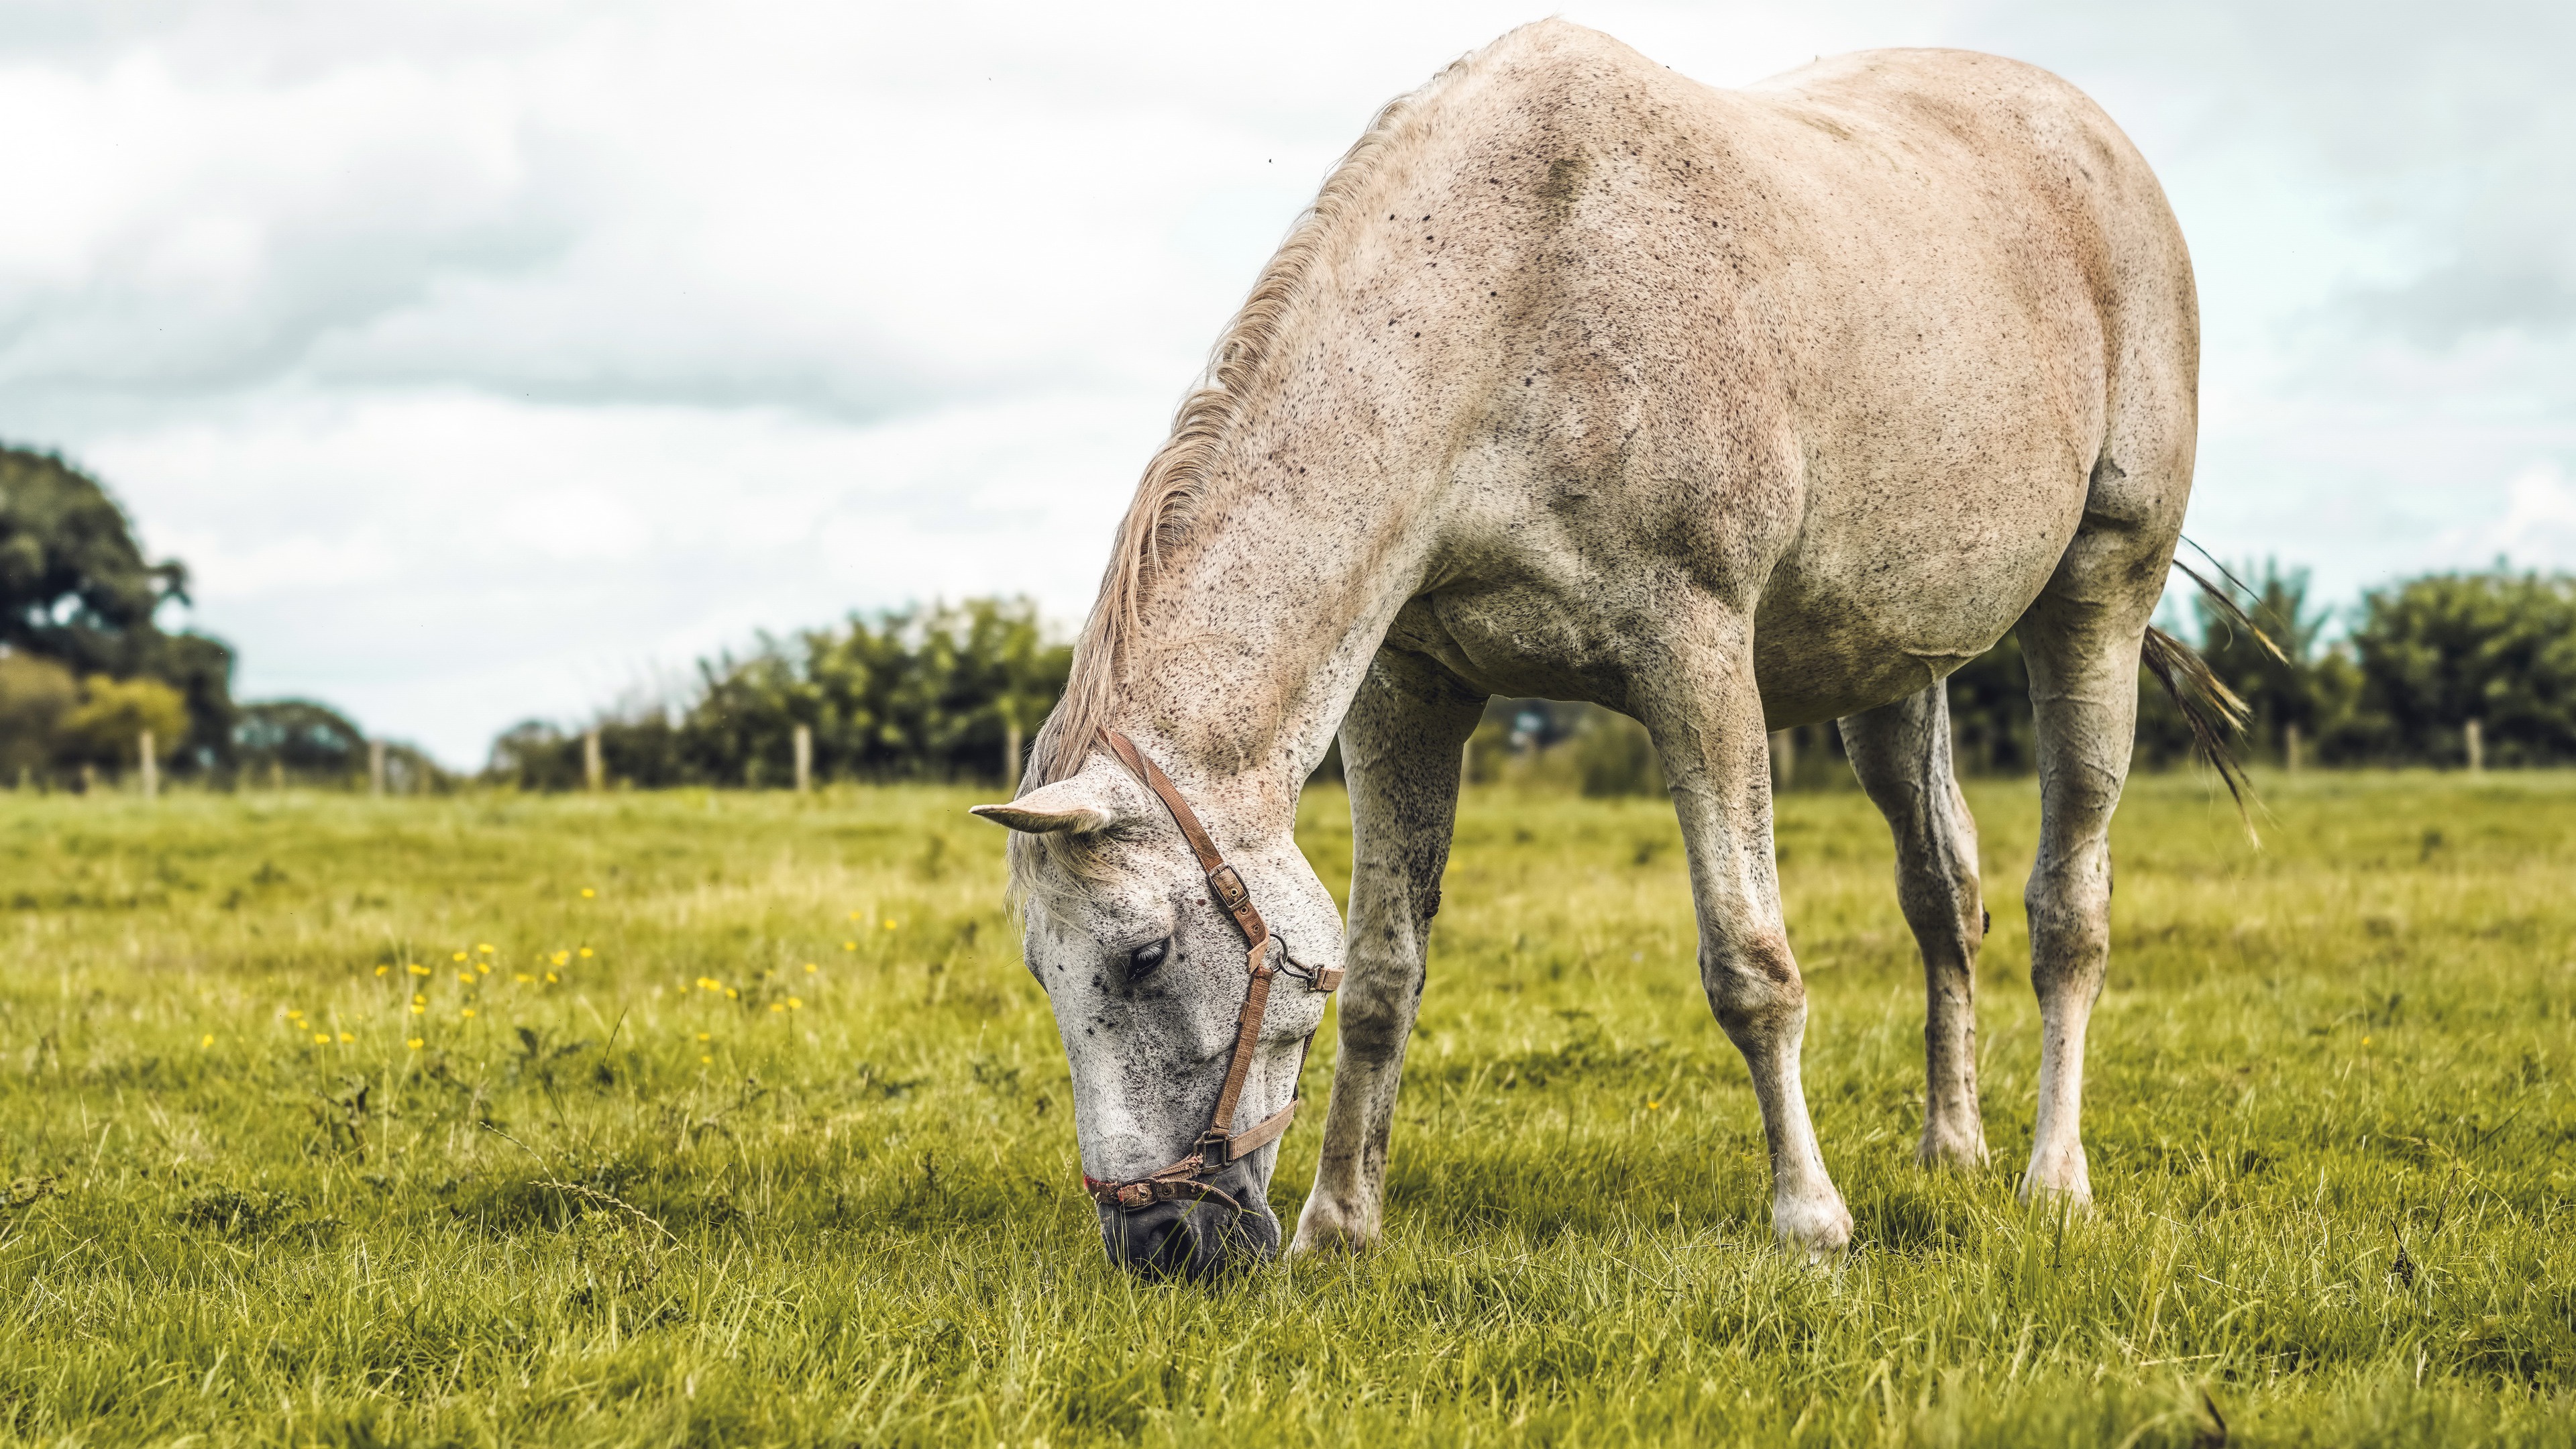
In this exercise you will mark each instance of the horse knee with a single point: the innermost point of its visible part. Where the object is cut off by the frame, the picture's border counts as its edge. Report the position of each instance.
(1376, 1022)
(1753, 986)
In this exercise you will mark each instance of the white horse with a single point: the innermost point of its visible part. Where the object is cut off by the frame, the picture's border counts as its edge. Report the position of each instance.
(1731, 410)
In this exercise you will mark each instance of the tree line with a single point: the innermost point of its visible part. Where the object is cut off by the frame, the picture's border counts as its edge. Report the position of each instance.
(951, 692)
(2415, 671)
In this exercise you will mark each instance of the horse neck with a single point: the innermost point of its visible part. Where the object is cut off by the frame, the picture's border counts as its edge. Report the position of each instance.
(1256, 632)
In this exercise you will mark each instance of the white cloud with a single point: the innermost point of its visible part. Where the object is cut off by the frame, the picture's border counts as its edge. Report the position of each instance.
(483, 358)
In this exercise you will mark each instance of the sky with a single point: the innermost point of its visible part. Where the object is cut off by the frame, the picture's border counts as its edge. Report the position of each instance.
(488, 361)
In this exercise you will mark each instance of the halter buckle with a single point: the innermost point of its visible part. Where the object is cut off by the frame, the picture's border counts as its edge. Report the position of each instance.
(1228, 887)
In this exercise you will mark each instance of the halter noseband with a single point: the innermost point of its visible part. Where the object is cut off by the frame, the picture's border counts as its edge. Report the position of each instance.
(1219, 1144)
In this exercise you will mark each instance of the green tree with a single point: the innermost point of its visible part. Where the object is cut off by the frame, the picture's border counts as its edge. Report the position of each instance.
(2434, 653)
(106, 727)
(35, 694)
(76, 588)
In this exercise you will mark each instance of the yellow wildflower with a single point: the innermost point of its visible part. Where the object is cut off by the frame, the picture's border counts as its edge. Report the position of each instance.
(322, 1036)
(344, 1036)
(551, 978)
(417, 1008)
(795, 1003)
(414, 1043)
(469, 1011)
(889, 923)
(775, 1006)
(486, 950)
(585, 953)
(810, 968)
(460, 955)
(465, 976)
(706, 1036)
(732, 995)
(524, 979)
(381, 970)
(416, 969)
(706, 1059)
(587, 893)
(849, 945)
(209, 1041)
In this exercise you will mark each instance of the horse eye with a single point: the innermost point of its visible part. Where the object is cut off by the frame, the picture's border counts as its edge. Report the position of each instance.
(1145, 958)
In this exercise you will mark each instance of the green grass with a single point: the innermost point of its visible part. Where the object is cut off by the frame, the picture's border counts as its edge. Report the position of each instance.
(839, 1206)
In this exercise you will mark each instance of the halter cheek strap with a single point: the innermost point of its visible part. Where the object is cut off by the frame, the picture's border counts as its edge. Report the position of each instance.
(1219, 1144)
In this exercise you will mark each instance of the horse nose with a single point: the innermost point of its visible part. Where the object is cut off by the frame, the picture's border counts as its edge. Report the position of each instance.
(1191, 1241)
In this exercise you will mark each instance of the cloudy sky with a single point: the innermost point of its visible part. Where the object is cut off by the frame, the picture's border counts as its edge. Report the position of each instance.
(495, 360)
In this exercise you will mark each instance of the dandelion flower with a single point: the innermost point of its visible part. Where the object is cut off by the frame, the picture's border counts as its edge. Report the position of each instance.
(460, 955)
(563, 958)
(795, 1003)
(551, 978)
(706, 1036)
(585, 953)
(777, 1006)
(381, 970)
(849, 945)
(811, 968)
(706, 1059)
(485, 949)
(469, 1011)
(889, 923)
(416, 969)
(1654, 1106)
(524, 979)
(322, 1036)
(209, 1041)
(417, 1008)
(2365, 1041)
(854, 915)
(414, 1043)
(344, 1036)
(732, 995)
(465, 976)
(587, 893)
(483, 966)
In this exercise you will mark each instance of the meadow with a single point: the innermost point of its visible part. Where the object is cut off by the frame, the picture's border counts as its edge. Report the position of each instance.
(727, 1118)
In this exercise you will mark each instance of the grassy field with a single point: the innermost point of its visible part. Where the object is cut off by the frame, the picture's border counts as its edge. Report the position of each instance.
(734, 1120)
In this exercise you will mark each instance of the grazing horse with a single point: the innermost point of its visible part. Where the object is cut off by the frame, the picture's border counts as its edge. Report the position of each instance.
(1729, 410)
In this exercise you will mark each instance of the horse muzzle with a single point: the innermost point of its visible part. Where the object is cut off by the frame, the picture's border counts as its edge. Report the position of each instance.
(1195, 1239)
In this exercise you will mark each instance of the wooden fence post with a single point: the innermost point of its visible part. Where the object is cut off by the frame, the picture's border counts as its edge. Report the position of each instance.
(376, 768)
(151, 766)
(1784, 759)
(1011, 757)
(804, 757)
(594, 771)
(2477, 742)
(2290, 748)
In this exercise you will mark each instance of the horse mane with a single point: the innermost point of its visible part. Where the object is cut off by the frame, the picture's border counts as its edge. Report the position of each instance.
(1173, 495)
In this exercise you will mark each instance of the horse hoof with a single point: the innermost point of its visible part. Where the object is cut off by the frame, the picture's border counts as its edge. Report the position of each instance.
(1325, 1234)
(1816, 1230)
(1952, 1147)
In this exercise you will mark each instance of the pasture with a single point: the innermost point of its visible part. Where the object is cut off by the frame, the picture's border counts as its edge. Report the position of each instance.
(677, 1118)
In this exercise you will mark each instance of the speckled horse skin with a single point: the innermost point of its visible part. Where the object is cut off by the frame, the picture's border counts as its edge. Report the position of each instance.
(1731, 410)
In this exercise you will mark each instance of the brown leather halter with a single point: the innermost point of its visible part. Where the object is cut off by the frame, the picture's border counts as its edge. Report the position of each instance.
(1220, 1144)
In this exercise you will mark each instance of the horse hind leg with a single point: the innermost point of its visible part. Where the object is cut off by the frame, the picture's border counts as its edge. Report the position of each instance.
(1901, 752)
(2081, 640)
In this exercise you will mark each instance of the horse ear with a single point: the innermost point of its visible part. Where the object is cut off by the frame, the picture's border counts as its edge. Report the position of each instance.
(1074, 806)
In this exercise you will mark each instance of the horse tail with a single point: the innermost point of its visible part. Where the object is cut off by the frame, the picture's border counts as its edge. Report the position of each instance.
(2214, 713)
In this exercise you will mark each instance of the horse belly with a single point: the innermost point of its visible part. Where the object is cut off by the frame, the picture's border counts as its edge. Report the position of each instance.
(1876, 602)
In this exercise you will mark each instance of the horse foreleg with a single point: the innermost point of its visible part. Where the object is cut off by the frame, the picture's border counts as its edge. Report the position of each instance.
(1705, 714)
(1901, 752)
(1401, 752)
